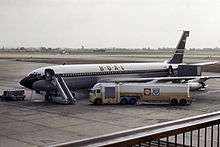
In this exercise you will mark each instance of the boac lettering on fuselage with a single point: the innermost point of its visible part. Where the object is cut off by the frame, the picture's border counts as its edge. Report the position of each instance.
(111, 68)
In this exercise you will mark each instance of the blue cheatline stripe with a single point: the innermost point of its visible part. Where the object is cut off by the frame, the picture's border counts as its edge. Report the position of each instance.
(109, 73)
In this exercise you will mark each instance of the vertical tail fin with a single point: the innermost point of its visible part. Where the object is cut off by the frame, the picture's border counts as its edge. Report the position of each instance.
(178, 55)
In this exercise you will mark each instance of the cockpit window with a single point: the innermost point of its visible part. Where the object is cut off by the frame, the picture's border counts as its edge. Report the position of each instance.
(98, 91)
(34, 74)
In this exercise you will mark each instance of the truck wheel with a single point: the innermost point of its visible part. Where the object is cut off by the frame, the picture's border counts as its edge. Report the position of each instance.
(124, 101)
(183, 102)
(174, 102)
(132, 101)
(98, 102)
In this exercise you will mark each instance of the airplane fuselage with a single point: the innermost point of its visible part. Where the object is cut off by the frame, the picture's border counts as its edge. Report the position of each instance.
(84, 76)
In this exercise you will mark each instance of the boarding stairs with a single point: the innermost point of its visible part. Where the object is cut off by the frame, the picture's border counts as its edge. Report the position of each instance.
(64, 91)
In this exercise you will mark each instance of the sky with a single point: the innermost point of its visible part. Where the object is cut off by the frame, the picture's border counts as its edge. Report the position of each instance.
(109, 23)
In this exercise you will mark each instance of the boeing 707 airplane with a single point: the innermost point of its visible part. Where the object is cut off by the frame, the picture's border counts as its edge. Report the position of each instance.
(63, 80)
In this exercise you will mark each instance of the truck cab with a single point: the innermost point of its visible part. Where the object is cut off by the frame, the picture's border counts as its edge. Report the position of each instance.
(107, 94)
(95, 94)
(110, 93)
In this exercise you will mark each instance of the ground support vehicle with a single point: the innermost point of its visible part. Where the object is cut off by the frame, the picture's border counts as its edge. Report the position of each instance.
(131, 93)
(16, 95)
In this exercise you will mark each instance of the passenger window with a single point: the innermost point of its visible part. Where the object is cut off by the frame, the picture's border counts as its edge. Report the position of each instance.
(98, 91)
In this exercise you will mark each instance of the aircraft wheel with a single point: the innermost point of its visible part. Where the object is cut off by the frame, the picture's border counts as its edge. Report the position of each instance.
(124, 101)
(98, 102)
(183, 102)
(132, 101)
(174, 102)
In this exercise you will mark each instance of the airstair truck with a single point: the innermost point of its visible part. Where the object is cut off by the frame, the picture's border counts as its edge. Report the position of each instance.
(131, 93)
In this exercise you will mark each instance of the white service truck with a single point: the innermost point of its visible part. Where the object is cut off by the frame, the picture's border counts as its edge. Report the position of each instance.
(131, 93)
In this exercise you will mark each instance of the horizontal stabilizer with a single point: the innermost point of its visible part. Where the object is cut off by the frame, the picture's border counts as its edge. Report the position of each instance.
(205, 63)
(159, 79)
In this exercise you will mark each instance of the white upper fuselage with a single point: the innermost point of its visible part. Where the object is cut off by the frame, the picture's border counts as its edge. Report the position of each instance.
(93, 68)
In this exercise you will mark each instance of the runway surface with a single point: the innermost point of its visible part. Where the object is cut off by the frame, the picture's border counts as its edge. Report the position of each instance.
(34, 122)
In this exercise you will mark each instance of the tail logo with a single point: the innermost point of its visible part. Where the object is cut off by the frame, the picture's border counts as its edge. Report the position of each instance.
(179, 52)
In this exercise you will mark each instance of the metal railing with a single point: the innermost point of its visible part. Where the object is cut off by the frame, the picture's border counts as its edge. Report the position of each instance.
(201, 131)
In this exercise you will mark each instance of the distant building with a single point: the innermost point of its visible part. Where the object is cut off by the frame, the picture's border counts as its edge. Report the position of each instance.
(99, 51)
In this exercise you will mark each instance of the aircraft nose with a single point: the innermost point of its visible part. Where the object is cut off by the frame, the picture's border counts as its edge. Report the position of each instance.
(29, 81)
(26, 82)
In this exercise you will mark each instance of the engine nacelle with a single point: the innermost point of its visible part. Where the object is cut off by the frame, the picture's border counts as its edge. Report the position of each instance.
(195, 85)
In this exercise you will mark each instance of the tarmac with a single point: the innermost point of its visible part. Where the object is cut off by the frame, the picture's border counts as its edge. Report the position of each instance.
(34, 122)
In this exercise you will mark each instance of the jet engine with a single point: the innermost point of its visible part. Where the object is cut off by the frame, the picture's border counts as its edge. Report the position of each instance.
(195, 85)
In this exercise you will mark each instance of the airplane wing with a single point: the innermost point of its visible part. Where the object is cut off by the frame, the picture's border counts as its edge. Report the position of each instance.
(205, 63)
(160, 79)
